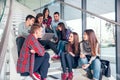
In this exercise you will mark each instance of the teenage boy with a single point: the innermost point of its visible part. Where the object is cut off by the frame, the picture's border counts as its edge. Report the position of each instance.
(24, 31)
(33, 60)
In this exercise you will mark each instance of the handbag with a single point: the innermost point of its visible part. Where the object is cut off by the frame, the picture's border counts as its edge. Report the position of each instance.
(105, 66)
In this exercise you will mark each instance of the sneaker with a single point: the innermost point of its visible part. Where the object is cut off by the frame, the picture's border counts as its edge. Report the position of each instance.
(36, 76)
(89, 74)
(55, 57)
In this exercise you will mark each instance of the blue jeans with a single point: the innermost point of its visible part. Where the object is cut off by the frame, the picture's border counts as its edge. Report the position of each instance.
(49, 45)
(41, 64)
(61, 46)
(95, 66)
(66, 62)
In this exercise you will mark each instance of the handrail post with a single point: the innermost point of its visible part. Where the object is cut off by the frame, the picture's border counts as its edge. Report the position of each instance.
(84, 20)
(117, 30)
(62, 10)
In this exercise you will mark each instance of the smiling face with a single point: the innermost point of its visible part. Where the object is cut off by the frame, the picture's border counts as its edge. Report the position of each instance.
(46, 13)
(71, 38)
(40, 20)
(85, 36)
(31, 21)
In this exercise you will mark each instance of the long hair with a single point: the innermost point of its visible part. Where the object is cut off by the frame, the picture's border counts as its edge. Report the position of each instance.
(92, 40)
(75, 44)
(44, 11)
(62, 25)
(37, 16)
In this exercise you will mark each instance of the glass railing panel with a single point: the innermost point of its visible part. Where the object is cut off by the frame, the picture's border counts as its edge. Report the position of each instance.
(76, 3)
(108, 46)
(52, 8)
(72, 19)
(101, 7)
(105, 32)
(34, 4)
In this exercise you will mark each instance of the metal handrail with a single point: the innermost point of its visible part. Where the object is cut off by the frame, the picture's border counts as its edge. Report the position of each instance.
(45, 5)
(106, 19)
(3, 11)
(4, 41)
(96, 15)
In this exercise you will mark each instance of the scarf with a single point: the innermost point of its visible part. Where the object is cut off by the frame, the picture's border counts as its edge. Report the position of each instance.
(86, 46)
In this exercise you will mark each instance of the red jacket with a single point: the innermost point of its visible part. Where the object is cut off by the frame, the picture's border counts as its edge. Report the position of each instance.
(48, 21)
(25, 62)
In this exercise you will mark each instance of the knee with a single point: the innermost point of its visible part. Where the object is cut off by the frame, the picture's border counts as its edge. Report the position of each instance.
(47, 56)
(97, 64)
(83, 60)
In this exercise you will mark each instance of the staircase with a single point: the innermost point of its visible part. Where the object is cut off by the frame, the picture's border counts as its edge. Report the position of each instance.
(55, 70)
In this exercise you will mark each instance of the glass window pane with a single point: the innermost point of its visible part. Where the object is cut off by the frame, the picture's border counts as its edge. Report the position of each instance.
(104, 30)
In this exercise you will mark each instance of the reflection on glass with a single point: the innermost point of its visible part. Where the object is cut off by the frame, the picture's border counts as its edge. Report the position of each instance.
(73, 19)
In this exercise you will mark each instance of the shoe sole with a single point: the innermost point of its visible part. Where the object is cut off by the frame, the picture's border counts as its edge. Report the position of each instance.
(35, 78)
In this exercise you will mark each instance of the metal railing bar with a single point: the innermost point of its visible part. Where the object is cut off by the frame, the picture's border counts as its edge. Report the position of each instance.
(96, 15)
(4, 41)
(106, 19)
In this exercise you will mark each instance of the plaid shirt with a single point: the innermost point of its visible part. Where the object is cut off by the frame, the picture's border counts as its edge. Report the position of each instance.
(25, 62)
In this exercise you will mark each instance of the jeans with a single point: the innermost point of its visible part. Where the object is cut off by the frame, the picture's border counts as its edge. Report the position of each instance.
(19, 43)
(66, 62)
(49, 45)
(41, 64)
(95, 66)
(61, 46)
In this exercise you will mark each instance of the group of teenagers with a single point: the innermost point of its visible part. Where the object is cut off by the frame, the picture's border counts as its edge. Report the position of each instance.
(33, 59)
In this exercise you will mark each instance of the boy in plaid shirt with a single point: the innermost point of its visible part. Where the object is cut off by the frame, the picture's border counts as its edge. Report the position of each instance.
(33, 60)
